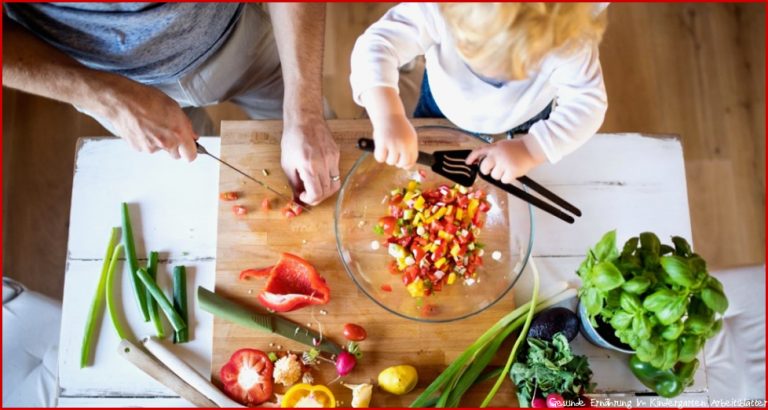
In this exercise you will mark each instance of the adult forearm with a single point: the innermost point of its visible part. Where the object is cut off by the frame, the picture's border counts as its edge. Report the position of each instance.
(33, 66)
(300, 32)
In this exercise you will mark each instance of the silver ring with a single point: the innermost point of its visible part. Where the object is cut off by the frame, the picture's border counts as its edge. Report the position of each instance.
(335, 178)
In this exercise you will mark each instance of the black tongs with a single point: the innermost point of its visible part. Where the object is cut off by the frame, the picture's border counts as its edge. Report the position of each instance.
(450, 164)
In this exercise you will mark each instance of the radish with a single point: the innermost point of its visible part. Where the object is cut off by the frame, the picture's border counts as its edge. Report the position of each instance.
(538, 403)
(555, 401)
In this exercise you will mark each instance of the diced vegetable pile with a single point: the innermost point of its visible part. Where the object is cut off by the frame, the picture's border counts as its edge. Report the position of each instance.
(432, 235)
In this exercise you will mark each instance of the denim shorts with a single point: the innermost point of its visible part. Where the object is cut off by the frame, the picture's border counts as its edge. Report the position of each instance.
(427, 108)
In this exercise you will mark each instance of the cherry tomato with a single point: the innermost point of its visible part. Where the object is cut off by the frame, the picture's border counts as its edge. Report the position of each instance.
(388, 223)
(354, 332)
(239, 210)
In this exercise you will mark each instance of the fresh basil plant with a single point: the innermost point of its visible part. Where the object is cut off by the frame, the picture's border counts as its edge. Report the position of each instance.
(659, 299)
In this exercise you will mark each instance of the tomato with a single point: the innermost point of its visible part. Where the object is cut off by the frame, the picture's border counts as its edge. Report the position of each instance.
(239, 210)
(396, 200)
(355, 333)
(247, 377)
(386, 288)
(388, 223)
(265, 204)
(292, 209)
(228, 196)
(393, 268)
(485, 206)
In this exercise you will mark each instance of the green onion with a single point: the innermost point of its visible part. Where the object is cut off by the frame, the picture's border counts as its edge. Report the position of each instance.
(176, 321)
(133, 263)
(519, 340)
(180, 302)
(97, 304)
(451, 377)
(154, 313)
(121, 333)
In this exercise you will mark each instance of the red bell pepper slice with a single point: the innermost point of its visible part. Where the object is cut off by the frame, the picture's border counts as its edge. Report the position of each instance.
(247, 377)
(255, 273)
(292, 284)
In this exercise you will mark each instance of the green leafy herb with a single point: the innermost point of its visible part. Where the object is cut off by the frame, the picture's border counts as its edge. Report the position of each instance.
(378, 229)
(658, 298)
(272, 356)
(550, 367)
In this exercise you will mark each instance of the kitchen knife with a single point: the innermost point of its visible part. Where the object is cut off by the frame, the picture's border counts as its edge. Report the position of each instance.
(263, 321)
(202, 150)
(450, 164)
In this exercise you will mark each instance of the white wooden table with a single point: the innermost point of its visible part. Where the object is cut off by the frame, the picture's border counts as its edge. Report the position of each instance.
(625, 182)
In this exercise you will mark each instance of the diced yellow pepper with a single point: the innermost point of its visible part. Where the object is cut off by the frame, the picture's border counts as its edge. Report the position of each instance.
(472, 208)
(455, 250)
(401, 265)
(440, 262)
(412, 185)
(416, 288)
(459, 214)
(449, 211)
(417, 219)
(451, 278)
(418, 204)
(440, 213)
(433, 247)
(445, 235)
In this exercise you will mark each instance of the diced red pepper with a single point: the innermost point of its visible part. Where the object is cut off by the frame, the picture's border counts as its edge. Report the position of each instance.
(229, 196)
(386, 288)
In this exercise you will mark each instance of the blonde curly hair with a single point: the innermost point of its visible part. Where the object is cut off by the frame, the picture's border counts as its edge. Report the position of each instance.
(511, 39)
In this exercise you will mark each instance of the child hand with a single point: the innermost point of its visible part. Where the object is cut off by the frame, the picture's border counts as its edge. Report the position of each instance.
(504, 160)
(396, 142)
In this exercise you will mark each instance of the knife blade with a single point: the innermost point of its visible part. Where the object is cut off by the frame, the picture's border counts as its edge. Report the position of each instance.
(202, 150)
(263, 321)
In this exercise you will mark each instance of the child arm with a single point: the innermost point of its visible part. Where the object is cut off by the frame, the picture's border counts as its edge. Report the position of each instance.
(404, 32)
(579, 112)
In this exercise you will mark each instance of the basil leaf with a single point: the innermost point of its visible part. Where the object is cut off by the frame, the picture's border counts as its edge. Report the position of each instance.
(714, 299)
(666, 249)
(670, 354)
(586, 266)
(673, 311)
(715, 328)
(641, 326)
(646, 351)
(605, 276)
(678, 270)
(636, 285)
(629, 302)
(650, 243)
(606, 247)
(690, 346)
(630, 246)
(672, 331)
(698, 325)
(659, 299)
(713, 283)
(593, 301)
(682, 248)
(621, 320)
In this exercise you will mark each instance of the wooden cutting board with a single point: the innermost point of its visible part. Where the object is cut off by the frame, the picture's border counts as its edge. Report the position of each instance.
(257, 240)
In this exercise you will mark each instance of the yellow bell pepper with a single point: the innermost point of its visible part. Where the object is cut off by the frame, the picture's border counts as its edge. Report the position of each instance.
(416, 288)
(472, 208)
(440, 262)
(459, 214)
(418, 204)
(451, 278)
(306, 395)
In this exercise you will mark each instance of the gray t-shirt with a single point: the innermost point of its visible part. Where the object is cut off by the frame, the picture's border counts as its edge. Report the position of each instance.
(147, 42)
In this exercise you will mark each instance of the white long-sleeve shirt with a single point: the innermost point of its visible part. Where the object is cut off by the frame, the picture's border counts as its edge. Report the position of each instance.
(575, 82)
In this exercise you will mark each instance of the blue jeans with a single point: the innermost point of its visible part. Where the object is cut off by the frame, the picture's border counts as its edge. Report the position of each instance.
(427, 108)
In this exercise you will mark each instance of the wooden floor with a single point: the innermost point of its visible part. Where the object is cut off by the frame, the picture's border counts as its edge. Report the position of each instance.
(693, 70)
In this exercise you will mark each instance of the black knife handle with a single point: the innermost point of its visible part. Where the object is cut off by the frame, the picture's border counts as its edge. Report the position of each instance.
(367, 144)
(525, 196)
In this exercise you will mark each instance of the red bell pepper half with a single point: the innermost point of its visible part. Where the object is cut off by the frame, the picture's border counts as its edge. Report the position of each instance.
(292, 284)
(247, 377)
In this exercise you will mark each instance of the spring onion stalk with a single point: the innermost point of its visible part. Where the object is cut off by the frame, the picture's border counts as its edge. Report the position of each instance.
(133, 262)
(176, 321)
(180, 302)
(154, 313)
(514, 319)
(110, 291)
(97, 305)
(519, 340)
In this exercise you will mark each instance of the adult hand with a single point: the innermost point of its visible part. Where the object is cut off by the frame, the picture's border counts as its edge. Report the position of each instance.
(504, 160)
(310, 159)
(396, 141)
(149, 120)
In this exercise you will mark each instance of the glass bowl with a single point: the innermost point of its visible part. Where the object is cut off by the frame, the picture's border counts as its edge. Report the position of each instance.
(507, 236)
